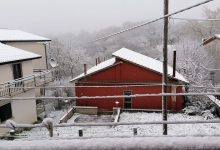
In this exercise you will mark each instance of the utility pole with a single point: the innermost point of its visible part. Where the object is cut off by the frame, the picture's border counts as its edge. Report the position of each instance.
(164, 80)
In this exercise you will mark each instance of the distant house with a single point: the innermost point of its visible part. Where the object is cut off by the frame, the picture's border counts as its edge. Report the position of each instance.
(128, 67)
(211, 39)
(28, 42)
(21, 54)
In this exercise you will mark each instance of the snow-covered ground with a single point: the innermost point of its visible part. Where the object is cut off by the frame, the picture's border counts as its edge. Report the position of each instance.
(122, 130)
(120, 137)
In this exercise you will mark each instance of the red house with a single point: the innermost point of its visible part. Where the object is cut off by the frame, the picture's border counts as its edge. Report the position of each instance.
(128, 73)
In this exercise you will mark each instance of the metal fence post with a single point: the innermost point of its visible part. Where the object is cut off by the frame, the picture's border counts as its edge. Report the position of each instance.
(23, 86)
(134, 131)
(9, 89)
(44, 79)
(80, 133)
(35, 84)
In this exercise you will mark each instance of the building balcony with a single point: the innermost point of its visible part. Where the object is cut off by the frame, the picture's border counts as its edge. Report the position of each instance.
(21, 85)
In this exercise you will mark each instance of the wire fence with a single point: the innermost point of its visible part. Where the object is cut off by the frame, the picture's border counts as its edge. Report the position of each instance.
(80, 132)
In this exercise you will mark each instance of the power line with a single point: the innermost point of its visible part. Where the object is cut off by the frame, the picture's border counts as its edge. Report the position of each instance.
(111, 86)
(191, 19)
(211, 69)
(112, 96)
(149, 22)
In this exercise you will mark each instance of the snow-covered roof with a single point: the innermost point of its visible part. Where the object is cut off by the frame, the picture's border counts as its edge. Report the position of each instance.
(136, 58)
(9, 35)
(207, 41)
(94, 69)
(11, 54)
(217, 36)
(145, 61)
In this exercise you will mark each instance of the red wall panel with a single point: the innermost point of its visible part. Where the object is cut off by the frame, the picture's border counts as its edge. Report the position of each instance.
(125, 73)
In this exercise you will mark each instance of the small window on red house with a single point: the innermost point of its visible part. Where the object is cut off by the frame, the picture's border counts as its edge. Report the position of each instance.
(127, 99)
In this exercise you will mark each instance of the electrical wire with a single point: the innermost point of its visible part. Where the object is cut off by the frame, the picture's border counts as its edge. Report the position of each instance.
(191, 19)
(111, 86)
(111, 96)
(149, 22)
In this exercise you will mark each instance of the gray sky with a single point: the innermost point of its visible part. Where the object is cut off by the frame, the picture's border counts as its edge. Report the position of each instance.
(61, 16)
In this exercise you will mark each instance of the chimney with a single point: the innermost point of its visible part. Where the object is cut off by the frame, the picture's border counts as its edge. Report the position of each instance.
(174, 63)
(96, 61)
(85, 69)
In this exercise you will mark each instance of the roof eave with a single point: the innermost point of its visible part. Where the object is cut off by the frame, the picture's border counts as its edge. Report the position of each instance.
(25, 40)
(19, 60)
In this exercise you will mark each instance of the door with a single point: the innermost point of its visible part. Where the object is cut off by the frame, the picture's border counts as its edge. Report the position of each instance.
(17, 70)
(127, 100)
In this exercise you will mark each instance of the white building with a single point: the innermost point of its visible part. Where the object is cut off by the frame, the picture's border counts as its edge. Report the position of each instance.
(29, 42)
(21, 54)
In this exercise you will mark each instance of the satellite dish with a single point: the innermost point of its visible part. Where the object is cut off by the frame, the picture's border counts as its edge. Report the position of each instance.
(53, 63)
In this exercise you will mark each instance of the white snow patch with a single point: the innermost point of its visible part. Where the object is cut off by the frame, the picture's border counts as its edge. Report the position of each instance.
(214, 99)
(217, 36)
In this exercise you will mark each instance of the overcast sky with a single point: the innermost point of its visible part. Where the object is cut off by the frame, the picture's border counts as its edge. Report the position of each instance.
(61, 16)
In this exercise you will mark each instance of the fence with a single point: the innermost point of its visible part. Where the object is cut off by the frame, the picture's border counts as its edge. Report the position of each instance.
(49, 125)
(18, 86)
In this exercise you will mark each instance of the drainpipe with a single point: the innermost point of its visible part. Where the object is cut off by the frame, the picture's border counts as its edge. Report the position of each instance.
(174, 63)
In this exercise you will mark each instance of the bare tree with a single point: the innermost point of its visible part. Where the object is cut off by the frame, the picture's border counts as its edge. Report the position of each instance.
(192, 61)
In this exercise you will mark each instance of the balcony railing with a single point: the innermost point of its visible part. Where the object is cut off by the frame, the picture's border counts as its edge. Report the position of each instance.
(24, 84)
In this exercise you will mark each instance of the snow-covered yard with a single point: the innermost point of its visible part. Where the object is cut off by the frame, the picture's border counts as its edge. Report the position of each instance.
(123, 130)
(108, 137)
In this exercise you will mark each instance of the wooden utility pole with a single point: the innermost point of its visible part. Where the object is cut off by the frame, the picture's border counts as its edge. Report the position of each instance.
(164, 84)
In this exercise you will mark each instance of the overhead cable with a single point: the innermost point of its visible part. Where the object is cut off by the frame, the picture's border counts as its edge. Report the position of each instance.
(149, 22)
(191, 19)
(112, 96)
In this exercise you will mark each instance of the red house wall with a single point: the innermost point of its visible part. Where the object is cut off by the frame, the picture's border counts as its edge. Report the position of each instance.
(124, 73)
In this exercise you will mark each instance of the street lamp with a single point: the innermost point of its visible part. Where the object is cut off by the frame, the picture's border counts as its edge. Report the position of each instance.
(116, 103)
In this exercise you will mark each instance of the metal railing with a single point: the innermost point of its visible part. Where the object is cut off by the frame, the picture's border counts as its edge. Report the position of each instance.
(48, 124)
(18, 86)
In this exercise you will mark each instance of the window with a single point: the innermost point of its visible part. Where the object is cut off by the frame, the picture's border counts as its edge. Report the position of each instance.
(17, 70)
(127, 100)
(5, 112)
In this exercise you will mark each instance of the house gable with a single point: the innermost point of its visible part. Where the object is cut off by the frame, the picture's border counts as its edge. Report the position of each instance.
(124, 72)
(152, 69)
